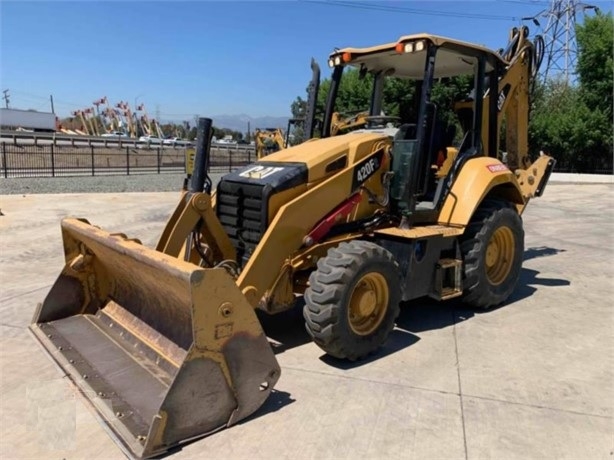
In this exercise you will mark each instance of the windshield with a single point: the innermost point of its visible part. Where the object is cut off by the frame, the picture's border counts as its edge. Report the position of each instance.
(370, 100)
(382, 93)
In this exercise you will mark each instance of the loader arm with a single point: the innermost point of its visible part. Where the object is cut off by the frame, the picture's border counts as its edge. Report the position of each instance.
(160, 342)
(194, 213)
(287, 233)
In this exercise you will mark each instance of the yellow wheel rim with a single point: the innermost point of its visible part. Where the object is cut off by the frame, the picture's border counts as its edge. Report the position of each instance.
(368, 303)
(499, 255)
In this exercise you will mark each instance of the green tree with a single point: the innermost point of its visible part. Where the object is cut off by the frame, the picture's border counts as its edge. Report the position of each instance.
(220, 133)
(297, 108)
(594, 67)
(445, 93)
(400, 96)
(353, 97)
(565, 127)
(573, 123)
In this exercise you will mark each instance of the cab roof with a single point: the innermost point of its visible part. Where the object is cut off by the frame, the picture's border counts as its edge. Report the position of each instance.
(454, 57)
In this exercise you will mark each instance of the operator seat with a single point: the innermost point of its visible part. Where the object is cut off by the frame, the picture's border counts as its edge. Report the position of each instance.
(441, 137)
(447, 140)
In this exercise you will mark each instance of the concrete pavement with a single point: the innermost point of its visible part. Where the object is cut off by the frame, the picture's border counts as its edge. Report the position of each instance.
(531, 379)
(575, 178)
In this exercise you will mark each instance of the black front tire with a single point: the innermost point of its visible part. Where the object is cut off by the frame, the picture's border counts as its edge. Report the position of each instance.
(353, 279)
(492, 247)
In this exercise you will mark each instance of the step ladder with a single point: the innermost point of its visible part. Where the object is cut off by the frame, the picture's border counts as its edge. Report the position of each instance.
(448, 279)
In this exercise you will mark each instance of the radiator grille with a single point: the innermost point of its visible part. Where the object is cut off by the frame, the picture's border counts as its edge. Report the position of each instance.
(241, 208)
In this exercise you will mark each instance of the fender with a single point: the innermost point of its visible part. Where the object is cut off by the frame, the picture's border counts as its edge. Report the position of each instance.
(478, 178)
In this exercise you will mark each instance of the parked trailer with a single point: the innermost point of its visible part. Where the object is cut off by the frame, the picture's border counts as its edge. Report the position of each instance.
(27, 120)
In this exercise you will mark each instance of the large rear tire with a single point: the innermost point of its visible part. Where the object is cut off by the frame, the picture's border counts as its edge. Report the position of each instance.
(492, 247)
(353, 299)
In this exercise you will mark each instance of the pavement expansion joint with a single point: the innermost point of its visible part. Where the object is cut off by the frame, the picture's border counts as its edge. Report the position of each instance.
(5, 299)
(538, 406)
(460, 387)
(362, 379)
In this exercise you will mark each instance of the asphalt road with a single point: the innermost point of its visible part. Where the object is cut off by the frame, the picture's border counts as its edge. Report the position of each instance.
(531, 379)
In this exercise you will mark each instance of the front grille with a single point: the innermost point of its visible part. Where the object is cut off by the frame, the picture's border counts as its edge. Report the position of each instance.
(241, 208)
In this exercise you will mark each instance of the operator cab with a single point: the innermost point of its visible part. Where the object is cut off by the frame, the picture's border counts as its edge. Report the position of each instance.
(425, 157)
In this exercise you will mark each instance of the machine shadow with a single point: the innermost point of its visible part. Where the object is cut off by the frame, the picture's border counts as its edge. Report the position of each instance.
(541, 251)
(529, 278)
(277, 399)
(286, 330)
(398, 340)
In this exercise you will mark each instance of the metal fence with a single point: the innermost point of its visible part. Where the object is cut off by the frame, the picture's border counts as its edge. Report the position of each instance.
(52, 160)
(65, 160)
(228, 158)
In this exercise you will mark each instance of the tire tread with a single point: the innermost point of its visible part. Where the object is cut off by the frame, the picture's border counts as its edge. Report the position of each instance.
(477, 294)
(323, 311)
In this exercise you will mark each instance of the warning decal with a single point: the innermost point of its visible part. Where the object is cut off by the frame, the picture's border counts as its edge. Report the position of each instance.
(497, 168)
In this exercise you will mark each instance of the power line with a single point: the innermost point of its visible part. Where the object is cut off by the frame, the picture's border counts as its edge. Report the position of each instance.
(30, 99)
(417, 11)
(45, 98)
(561, 49)
(35, 105)
(29, 94)
(528, 2)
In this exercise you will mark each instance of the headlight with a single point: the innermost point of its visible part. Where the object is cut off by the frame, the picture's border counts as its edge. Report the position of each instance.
(410, 47)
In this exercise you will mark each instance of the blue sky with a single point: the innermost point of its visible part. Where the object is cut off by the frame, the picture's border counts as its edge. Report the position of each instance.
(208, 58)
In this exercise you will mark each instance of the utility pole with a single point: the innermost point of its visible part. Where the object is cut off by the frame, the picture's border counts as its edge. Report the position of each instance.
(560, 47)
(51, 99)
(6, 97)
(249, 133)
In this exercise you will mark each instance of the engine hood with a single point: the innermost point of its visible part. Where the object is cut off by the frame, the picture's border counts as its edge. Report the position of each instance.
(324, 157)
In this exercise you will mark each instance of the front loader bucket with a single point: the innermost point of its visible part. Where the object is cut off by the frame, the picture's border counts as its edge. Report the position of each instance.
(164, 350)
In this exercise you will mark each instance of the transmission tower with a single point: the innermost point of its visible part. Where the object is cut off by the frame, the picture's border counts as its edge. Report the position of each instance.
(559, 32)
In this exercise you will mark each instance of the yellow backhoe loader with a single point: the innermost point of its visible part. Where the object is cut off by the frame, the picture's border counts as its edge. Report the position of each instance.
(343, 124)
(273, 140)
(164, 342)
(269, 140)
